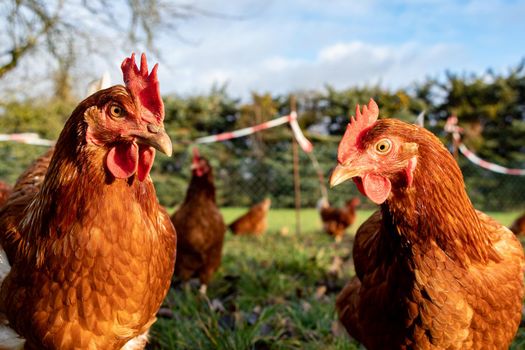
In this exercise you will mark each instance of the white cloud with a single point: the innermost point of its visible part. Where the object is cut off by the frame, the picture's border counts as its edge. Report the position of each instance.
(341, 64)
(279, 64)
(282, 46)
(305, 44)
(336, 52)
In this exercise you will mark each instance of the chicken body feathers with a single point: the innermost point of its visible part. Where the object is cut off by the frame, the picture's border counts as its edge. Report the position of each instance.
(424, 297)
(99, 282)
(200, 242)
(431, 271)
(255, 221)
(200, 229)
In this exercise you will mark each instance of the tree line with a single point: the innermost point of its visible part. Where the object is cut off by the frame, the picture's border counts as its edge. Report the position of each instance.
(490, 108)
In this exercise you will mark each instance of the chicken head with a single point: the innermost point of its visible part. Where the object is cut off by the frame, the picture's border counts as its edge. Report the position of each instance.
(374, 154)
(128, 121)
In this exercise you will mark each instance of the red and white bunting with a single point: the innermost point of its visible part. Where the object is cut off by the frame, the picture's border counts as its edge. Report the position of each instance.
(299, 136)
(28, 138)
(452, 127)
(34, 139)
(487, 165)
(292, 119)
(245, 131)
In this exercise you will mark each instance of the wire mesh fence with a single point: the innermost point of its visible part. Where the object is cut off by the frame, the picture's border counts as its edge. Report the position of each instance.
(492, 191)
(247, 171)
(244, 181)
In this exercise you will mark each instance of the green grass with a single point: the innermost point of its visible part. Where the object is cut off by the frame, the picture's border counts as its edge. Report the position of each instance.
(271, 292)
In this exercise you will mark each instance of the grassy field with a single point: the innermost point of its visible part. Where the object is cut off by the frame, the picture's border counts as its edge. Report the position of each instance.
(273, 292)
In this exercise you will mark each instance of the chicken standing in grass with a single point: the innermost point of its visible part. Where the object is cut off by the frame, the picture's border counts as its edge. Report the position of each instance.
(337, 220)
(255, 221)
(431, 271)
(91, 250)
(200, 226)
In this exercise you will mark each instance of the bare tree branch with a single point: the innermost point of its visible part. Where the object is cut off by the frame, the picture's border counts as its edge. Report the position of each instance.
(30, 41)
(65, 30)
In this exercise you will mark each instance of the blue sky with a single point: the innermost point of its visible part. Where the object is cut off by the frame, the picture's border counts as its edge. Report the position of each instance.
(300, 44)
(283, 46)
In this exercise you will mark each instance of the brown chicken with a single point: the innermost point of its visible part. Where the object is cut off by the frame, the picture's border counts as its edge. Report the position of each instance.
(91, 250)
(431, 271)
(200, 226)
(255, 221)
(518, 226)
(5, 191)
(337, 220)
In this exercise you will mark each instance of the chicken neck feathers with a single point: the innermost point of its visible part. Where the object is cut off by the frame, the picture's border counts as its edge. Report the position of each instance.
(91, 255)
(431, 271)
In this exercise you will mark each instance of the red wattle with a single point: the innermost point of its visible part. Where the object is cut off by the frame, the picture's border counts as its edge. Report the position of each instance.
(146, 158)
(122, 160)
(376, 187)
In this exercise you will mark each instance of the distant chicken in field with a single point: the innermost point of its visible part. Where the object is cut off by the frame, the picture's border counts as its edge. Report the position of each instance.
(431, 271)
(200, 226)
(337, 220)
(255, 221)
(88, 252)
(518, 226)
(5, 191)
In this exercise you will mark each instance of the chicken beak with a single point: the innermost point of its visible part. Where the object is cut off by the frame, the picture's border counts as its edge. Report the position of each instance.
(342, 173)
(157, 138)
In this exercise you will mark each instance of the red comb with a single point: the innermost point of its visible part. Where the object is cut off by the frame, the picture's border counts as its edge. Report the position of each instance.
(362, 121)
(144, 87)
(196, 155)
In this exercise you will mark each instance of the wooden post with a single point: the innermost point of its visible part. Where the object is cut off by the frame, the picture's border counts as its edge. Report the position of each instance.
(296, 176)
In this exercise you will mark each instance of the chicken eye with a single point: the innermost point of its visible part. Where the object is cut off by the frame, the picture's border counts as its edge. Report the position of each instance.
(383, 146)
(116, 111)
